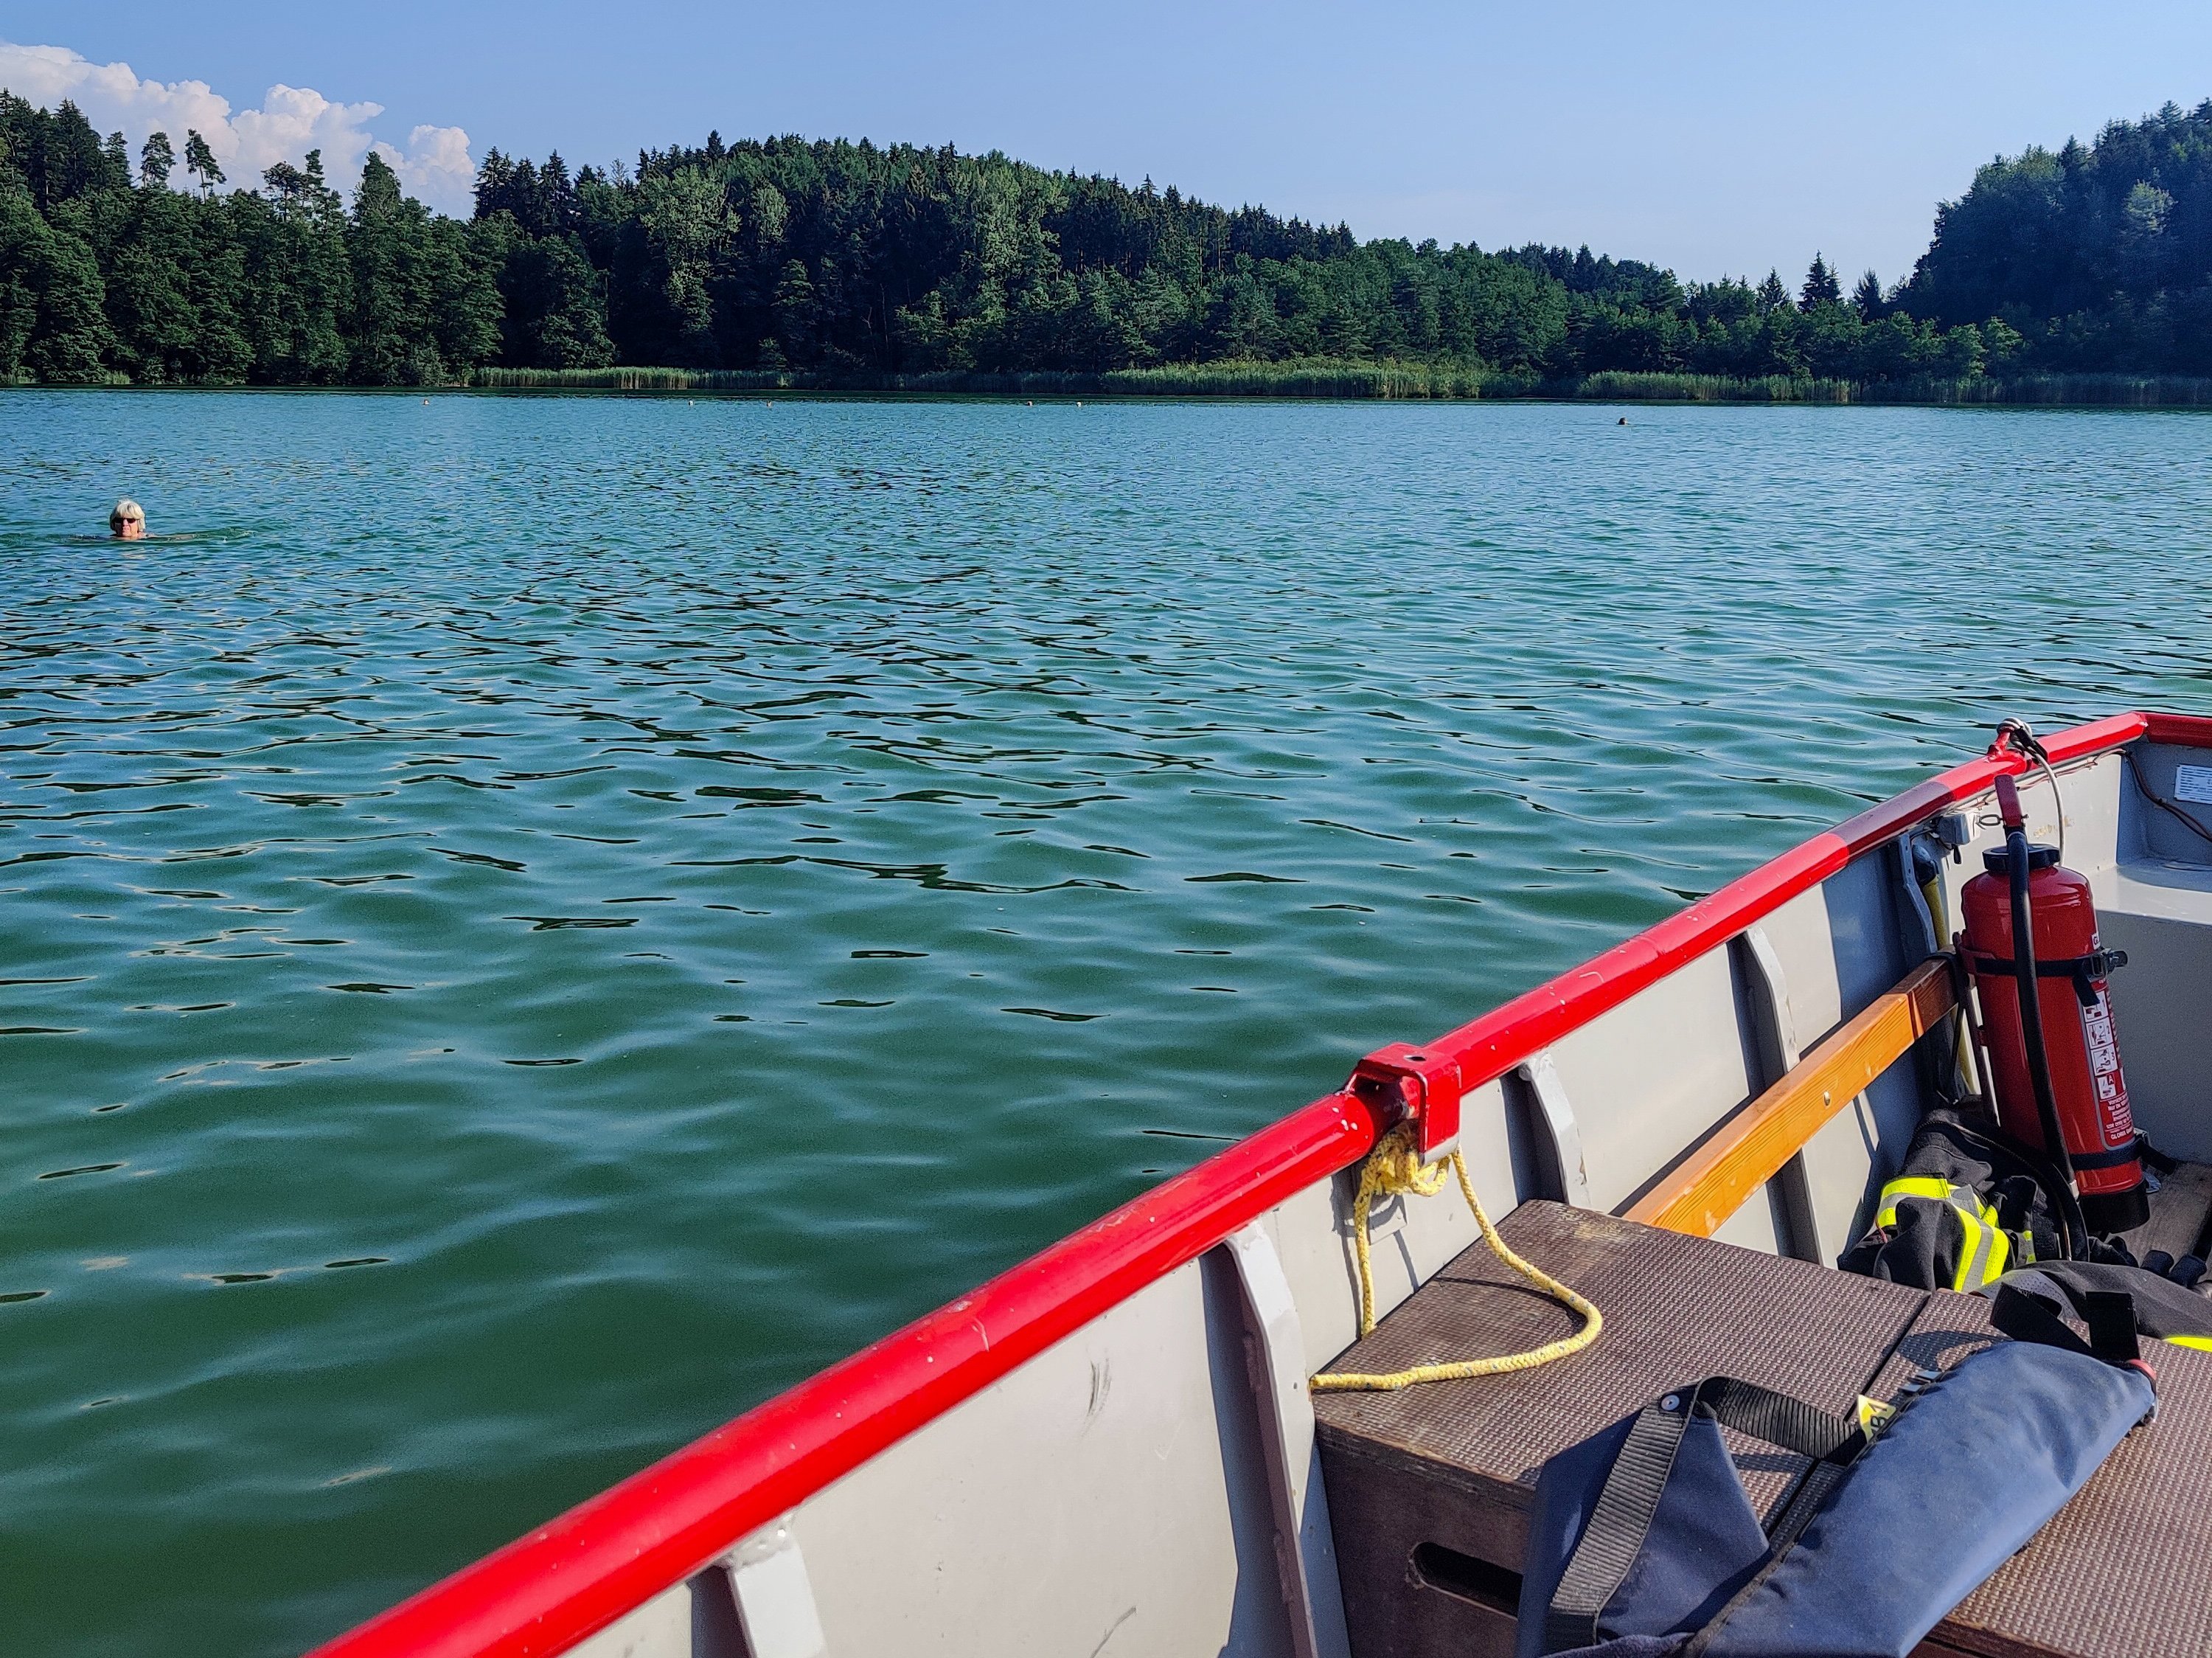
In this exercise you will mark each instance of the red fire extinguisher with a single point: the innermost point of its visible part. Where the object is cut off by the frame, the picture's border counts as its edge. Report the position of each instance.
(2041, 977)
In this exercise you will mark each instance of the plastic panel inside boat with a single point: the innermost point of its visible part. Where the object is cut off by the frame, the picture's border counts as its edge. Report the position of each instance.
(613, 1554)
(2155, 903)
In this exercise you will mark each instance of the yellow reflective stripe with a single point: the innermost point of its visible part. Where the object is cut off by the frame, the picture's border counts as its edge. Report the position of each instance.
(1988, 1245)
(2023, 1244)
(1909, 1186)
(1985, 1248)
(1977, 1246)
(2201, 1344)
(1999, 1262)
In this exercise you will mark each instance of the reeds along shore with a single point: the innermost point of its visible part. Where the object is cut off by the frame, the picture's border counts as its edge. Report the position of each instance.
(1327, 378)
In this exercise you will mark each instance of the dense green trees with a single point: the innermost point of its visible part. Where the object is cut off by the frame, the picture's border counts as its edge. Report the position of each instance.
(851, 259)
(105, 276)
(2100, 257)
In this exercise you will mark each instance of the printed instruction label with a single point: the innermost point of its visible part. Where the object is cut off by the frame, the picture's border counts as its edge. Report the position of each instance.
(2193, 783)
(2114, 1118)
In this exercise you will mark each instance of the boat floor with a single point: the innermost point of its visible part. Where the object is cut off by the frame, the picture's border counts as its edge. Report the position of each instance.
(2179, 1209)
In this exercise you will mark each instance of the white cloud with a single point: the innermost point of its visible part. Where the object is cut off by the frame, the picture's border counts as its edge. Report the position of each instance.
(436, 166)
(292, 120)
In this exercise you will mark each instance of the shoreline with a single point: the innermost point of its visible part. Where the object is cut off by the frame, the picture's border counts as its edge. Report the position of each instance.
(1321, 380)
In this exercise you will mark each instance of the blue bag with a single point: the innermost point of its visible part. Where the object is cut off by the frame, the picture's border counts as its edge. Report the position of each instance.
(1642, 1543)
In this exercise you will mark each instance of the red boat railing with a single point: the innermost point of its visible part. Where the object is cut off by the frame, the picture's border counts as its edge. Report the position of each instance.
(571, 1577)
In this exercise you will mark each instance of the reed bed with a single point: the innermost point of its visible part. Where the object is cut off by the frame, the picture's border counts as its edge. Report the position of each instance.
(2124, 391)
(1333, 378)
(1619, 386)
(1305, 378)
(1297, 378)
(623, 380)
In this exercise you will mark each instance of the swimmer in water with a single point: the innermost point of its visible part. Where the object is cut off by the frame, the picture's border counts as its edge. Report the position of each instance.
(127, 522)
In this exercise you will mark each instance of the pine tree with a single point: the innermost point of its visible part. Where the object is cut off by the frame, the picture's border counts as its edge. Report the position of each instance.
(557, 199)
(23, 239)
(155, 162)
(1820, 286)
(298, 286)
(71, 163)
(1772, 296)
(70, 344)
(555, 307)
(797, 313)
(1865, 298)
(149, 296)
(386, 243)
(217, 285)
(495, 179)
(465, 306)
(200, 161)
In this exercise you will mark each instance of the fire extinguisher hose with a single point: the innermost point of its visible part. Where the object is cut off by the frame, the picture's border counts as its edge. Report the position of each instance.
(2030, 991)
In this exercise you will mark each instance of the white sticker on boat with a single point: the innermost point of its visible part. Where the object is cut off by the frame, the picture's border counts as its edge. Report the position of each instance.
(2193, 783)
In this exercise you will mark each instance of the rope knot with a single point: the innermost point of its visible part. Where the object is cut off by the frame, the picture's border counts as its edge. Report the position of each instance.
(1395, 1168)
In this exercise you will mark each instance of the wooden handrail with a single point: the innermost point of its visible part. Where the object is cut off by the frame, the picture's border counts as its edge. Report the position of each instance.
(1712, 1182)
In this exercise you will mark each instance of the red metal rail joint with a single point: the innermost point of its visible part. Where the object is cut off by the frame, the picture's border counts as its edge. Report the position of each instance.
(1414, 1086)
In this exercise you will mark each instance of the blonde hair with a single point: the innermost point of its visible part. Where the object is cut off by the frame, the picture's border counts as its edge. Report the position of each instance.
(126, 510)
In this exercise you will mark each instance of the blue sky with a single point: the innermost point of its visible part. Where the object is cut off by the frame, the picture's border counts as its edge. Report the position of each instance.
(1716, 138)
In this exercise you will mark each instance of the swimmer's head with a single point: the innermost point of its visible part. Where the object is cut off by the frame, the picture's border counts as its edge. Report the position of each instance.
(128, 521)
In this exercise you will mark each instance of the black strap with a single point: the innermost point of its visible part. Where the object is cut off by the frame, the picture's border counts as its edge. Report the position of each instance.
(1620, 1519)
(2083, 970)
(2110, 1314)
(2113, 1157)
(2030, 1318)
(1779, 1419)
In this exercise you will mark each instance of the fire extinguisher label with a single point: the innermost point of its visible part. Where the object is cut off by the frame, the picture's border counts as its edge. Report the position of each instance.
(2113, 1117)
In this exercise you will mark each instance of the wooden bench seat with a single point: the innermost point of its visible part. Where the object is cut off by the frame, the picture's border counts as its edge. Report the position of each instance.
(1714, 1180)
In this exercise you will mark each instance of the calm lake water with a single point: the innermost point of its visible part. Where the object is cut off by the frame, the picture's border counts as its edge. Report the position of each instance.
(529, 924)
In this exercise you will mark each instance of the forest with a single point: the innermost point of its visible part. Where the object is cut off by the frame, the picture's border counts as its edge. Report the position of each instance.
(835, 262)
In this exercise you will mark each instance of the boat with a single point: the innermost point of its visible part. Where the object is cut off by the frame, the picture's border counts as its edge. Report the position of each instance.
(1116, 1448)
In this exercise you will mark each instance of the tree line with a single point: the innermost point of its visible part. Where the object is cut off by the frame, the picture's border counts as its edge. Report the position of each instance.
(851, 259)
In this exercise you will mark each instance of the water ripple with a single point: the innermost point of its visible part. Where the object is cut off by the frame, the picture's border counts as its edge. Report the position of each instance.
(677, 892)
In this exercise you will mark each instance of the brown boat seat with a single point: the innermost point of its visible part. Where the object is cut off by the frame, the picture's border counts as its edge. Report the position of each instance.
(1429, 1488)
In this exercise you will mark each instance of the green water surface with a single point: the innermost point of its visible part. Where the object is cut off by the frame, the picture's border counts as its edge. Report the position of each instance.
(528, 924)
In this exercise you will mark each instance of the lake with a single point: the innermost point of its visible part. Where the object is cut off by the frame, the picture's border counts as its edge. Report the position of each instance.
(528, 924)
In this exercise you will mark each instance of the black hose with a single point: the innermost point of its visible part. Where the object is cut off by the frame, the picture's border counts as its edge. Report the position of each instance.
(2065, 1205)
(2030, 1020)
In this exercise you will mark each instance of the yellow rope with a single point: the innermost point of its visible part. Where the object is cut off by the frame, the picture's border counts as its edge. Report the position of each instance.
(1394, 1166)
